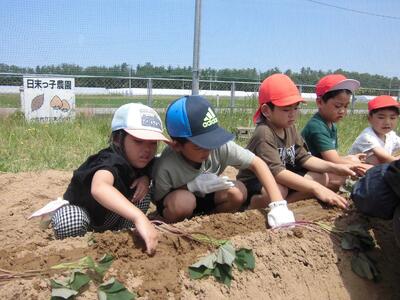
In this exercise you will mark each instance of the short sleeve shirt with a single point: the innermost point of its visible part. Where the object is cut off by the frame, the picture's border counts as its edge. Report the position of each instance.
(368, 140)
(288, 153)
(318, 136)
(172, 171)
(79, 189)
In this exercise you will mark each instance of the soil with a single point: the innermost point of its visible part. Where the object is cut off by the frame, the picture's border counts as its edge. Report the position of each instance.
(294, 263)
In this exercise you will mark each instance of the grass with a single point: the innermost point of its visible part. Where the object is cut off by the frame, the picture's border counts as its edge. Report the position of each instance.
(13, 100)
(32, 146)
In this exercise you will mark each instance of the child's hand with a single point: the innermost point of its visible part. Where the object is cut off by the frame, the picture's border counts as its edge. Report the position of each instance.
(328, 196)
(142, 188)
(344, 170)
(148, 233)
(361, 157)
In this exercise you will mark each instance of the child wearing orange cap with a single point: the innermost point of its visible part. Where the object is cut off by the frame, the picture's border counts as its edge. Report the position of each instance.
(277, 142)
(379, 141)
(320, 133)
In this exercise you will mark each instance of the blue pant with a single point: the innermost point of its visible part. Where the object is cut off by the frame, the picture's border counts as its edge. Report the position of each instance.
(373, 196)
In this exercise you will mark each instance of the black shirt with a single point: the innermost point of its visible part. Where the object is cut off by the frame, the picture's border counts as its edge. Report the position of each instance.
(78, 192)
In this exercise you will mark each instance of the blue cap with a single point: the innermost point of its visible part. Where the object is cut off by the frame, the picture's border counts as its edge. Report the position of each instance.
(193, 117)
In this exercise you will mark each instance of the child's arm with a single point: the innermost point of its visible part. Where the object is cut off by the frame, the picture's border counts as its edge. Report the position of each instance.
(383, 156)
(264, 175)
(279, 213)
(333, 156)
(107, 195)
(321, 166)
(142, 188)
(301, 184)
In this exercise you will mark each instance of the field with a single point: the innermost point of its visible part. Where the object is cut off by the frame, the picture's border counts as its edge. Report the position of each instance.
(36, 163)
(13, 100)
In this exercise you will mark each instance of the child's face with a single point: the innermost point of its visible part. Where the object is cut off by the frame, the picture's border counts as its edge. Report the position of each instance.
(281, 116)
(383, 121)
(192, 152)
(335, 108)
(139, 152)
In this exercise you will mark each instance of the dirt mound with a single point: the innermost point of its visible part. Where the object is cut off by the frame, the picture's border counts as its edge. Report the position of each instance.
(290, 263)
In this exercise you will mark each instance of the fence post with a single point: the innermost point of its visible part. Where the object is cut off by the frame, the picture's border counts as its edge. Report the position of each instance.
(149, 92)
(232, 95)
(353, 100)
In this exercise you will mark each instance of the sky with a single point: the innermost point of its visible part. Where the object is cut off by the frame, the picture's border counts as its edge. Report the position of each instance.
(261, 34)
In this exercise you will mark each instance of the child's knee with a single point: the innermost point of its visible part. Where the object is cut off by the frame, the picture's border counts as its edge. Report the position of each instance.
(237, 195)
(180, 203)
(321, 178)
(70, 221)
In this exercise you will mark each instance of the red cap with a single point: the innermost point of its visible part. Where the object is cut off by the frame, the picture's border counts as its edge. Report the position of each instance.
(335, 82)
(382, 101)
(278, 89)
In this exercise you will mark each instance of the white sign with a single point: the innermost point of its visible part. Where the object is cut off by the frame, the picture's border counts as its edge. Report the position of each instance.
(48, 99)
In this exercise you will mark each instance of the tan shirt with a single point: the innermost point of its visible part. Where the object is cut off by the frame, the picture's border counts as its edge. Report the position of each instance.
(279, 153)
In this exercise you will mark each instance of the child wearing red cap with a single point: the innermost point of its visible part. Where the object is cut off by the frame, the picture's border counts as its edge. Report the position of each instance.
(277, 142)
(379, 141)
(320, 133)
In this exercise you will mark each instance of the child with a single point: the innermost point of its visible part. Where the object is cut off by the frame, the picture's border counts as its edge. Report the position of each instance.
(106, 192)
(320, 133)
(278, 143)
(379, 141)
(186, 176)
(377, 194)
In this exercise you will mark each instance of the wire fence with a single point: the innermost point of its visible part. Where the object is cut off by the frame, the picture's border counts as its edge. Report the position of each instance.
(111, 92)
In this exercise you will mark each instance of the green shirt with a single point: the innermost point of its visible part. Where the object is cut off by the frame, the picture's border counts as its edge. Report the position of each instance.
(318, 136)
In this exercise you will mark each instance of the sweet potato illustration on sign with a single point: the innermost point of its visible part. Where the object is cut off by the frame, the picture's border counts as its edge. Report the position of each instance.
(37, 102)
(56, 102)
(65, 106)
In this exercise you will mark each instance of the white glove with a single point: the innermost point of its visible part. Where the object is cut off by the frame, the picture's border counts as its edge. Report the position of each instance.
(208, 183)
(279, 214)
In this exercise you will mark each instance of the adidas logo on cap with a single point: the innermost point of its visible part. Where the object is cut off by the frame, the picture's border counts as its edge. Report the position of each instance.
(210, 118)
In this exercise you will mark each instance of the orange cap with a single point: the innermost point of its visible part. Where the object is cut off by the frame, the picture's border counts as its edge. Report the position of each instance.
(334, 82)
(381, 102)
(278, 89)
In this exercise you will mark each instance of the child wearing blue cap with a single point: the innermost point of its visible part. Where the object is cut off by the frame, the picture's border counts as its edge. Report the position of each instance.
(108, 191)
(186, 177)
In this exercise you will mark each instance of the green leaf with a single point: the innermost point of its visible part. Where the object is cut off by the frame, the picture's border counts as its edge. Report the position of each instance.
(223, 273)
(365, 240)
(199, 272)
(58, 283)
(63, 293)
(207, 261)
(245, 259)
(364, 267)
(350, 242)
(83, 263)
(114, 290)
(78, 280)
(226, 254)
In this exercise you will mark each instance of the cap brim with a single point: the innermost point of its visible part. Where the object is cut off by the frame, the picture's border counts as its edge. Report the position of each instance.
(212, 139)
(288, 101)
(347, 84)
(147, 135)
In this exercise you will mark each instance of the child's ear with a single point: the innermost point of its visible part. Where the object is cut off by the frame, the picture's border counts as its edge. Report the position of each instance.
(266, 110)
(318, 101)
(175, 145)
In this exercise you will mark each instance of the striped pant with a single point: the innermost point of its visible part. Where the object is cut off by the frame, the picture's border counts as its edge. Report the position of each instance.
(72, 220)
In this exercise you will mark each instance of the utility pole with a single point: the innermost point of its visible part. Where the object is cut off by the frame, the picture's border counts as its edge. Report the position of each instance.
(196, 49)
